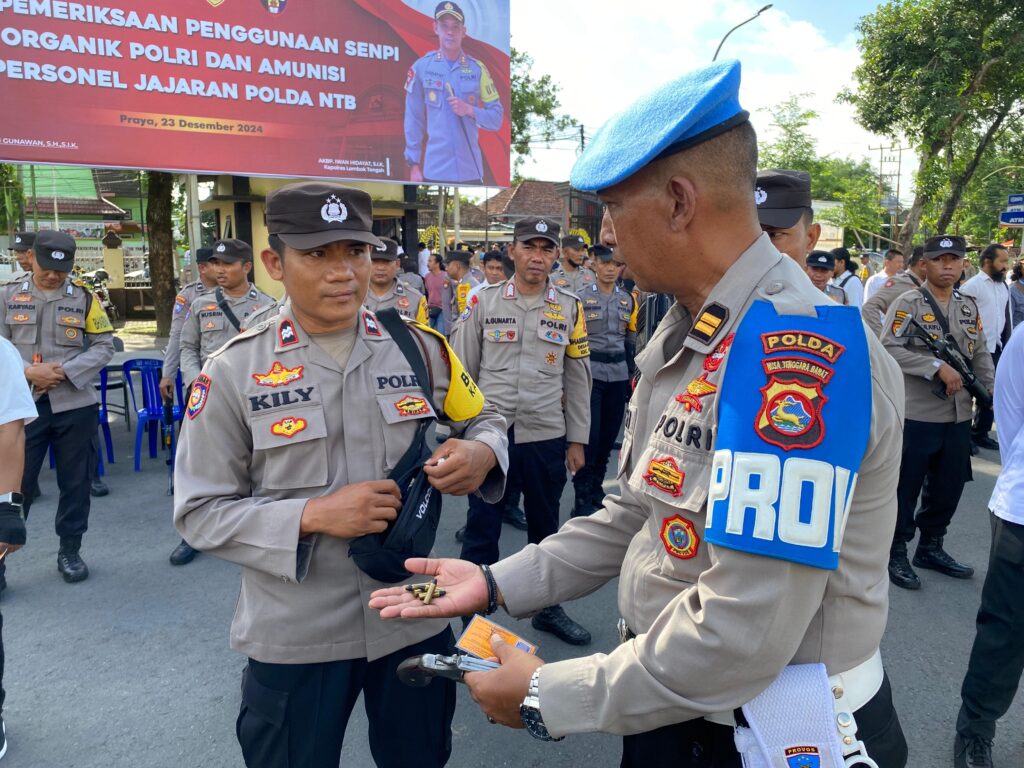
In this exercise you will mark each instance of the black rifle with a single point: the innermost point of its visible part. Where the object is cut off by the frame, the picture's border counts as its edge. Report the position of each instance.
(168, 435)
(946, 350)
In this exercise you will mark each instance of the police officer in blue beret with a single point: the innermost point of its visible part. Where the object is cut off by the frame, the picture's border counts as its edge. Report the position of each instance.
(449, 98)
(745, 535)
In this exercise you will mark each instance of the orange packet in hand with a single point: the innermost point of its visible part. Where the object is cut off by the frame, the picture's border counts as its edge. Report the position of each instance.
(476, 639)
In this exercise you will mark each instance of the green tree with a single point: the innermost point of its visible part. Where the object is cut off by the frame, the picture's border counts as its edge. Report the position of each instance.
(851, 182)
(535, 110)
(949, 76)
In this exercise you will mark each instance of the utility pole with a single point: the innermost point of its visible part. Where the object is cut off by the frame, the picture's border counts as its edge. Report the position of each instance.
(583, 140)
(35, 201)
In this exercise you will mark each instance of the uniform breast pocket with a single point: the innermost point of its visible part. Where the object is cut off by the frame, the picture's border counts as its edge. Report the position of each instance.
(292, 447)
(212, 323)
(671, 476)
(23, 323)
(69, 331)
(403, 414)
(434, 96)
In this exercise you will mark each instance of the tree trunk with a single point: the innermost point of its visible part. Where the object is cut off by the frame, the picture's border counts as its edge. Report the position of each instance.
(958, 184)
(921, 199)
(161, 248)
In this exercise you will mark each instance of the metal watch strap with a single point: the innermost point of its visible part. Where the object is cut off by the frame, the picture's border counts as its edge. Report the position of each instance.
(529, 711)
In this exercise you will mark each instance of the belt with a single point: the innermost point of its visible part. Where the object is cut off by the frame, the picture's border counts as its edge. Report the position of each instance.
(852, 689)
(607, 357)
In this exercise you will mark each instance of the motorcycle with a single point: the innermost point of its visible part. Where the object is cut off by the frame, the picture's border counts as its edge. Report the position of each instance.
(97, 283)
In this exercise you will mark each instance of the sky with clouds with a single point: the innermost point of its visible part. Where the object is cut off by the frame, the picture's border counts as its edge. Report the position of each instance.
(605, 54)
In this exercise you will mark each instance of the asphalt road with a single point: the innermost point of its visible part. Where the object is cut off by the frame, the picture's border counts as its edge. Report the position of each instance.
(132, 667)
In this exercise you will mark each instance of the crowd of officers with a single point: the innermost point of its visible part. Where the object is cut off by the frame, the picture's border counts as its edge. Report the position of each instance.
(545, 327)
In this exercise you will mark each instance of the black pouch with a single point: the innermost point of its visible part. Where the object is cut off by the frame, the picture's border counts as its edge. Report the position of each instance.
(382, 556)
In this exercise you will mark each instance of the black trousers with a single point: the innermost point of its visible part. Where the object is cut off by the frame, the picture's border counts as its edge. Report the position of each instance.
(296, 714)
(936, 457)
(700, 744)
(537, 468)
(607, 409)
(984, 416)
(3, 693)
(997, 657)
(70, 432)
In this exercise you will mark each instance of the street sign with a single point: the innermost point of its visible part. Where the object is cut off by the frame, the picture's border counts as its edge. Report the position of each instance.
(1011, 219)
(1015, 209)
(1015, 199)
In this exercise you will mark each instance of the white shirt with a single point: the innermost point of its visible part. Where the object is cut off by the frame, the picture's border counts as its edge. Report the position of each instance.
(423, 257)
(1007, 499)
(992, 298)
(16, 394)
(874, 284)
(854, 288)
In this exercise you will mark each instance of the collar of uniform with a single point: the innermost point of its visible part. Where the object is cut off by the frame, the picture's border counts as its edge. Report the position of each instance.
(732, 291)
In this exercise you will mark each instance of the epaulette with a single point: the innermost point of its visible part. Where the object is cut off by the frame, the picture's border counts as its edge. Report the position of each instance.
(248, 333)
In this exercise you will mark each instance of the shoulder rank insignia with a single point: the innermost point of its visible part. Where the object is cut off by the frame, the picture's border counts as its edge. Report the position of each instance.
(709, 322)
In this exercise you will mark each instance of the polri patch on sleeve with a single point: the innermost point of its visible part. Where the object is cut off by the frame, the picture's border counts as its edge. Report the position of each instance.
(199, 395)
(709, 322)
(786, 459)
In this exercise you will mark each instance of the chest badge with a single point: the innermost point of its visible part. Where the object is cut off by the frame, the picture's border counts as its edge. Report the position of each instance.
(695, 390)
(71, 333)
(679, 537)
(550, 358)
(278, 375)
(665, 475)
(20, 318)
(288, 426)
(412, 406)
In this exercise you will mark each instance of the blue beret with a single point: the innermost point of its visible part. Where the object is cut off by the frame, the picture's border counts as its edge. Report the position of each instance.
(698, 106)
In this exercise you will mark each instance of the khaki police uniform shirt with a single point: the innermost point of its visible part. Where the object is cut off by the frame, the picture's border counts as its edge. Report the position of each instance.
(874, 309)
(456, 296)
(206, 327)
(182, 304)
(67, 327)
(576, 282)
(408, 302)
(412, 280)
(611, 325)
(529, 356)
(918, 363)
(18, 277)
(273, 421)
(714, 630)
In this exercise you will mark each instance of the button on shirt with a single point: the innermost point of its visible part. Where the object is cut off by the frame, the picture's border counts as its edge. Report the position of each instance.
(992, 298)
(1007, 499)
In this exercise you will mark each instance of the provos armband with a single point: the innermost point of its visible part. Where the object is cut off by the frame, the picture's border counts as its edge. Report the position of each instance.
(785, 468)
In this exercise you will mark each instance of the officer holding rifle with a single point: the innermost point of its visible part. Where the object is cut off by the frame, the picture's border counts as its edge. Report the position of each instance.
(933, 331)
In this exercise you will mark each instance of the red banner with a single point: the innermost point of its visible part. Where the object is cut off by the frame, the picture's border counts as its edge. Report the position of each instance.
(374, 90)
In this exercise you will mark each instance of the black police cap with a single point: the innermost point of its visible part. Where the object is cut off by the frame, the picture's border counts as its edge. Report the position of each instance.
(203, 255)
(782, 197)
(232, 250)
(574, 241)
(460, 256)
(533, 227)
(310, 214)
(822, 260)
(934, 247)
(449, 9)
(602, 253)
(54, 250)
(386, 251)
(23, 241)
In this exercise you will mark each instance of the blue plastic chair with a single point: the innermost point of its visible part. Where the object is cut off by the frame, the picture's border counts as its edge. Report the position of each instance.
(150, 415)
(104, 416)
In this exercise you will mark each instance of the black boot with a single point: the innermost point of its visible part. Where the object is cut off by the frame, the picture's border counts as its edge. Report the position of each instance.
(514, 516)
(183, 554)
(555, 621)
(932, 556)
(972, 752)
(70, 564)
(900, 572)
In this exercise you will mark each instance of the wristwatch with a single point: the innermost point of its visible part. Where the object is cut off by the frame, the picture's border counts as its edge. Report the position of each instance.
(13, 498)
(529, 711)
